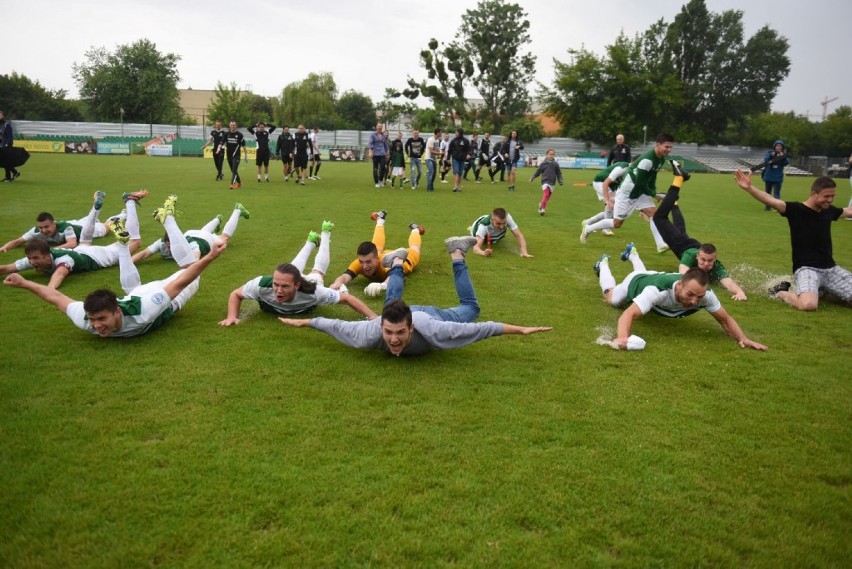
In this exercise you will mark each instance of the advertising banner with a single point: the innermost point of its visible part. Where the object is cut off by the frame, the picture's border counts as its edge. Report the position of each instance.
(113, 148)
(41, 145)
(344, 155)
(158, 149)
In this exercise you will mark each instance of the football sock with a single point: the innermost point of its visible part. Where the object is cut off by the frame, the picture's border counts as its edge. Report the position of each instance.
(323, 258)
(231, 224)
(606, 280)
(128, 274)
(602, 224)
(302, 258)
(181, 251)
(658, 239)
(131, 223)
(88, 231)
(211, 225)
(636, 261)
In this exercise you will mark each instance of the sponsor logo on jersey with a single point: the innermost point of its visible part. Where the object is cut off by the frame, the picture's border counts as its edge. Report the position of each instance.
(158, 298)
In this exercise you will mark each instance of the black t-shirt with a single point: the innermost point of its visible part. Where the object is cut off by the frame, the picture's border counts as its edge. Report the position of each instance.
(810, 235)
(233, 141)
(415, 146)
(218, 137)
(302, 142)
(262, 137)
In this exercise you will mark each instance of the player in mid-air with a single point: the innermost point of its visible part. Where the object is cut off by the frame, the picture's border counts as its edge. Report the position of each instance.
(638, 189)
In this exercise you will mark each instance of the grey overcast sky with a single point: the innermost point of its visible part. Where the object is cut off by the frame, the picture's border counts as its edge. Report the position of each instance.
(372, 44)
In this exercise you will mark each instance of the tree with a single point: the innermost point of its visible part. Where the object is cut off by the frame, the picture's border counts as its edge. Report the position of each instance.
(356, 111)
(23, 98)
(529, 130)
(261, 108)
(136, 78)
(696, 78)
(836, 132)
(310, 102)
(230, 103)
(487, 55)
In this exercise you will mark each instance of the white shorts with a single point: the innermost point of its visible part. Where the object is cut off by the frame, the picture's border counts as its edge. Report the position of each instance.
(315, 278)
(180, 300)
(546, 187)
(103, 256)
(100, 228)
(836, 281)
(624, 206)
(398, 171)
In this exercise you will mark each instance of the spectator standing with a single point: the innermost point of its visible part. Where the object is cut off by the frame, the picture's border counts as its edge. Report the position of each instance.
(7, 139)
(378, 151)
(415, 146)
(773, 169)
(217, 140)
(620, 152)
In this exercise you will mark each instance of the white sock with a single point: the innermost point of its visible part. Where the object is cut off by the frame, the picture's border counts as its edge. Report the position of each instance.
(323, 258)
(231, 225)
(661, 244)
(602, 224)
(380, 221)
(88, 231)
(132, 220)
(607, 281)
(636, 261)
(302, 258)
(128, 274)
(595, 218)
(608, 213)
(181, 251)
(211, 225)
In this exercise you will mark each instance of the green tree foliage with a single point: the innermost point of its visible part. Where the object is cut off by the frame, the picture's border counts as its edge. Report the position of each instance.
(487, 55)
(529, 130)
(696, 77)
(310, 102)
(836, 133)
(261, 108)
(136, 78)
(230, 103)
(356, 111)
(831, 137)
(22, 98)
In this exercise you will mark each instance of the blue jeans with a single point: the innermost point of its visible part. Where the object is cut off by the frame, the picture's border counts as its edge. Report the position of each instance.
(415, 166)
(467, 311)
(430, 174)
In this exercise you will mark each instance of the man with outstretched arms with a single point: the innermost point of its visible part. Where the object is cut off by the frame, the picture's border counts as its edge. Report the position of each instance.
(406, 330)
(288, 291)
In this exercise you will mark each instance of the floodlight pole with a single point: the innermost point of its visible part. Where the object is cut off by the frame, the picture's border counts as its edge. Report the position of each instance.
(644, 135)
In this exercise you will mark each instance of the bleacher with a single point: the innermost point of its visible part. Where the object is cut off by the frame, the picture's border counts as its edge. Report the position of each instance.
(731, 165)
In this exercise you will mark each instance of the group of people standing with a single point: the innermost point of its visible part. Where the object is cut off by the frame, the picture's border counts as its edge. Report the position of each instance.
(440, 153)
(299, 152)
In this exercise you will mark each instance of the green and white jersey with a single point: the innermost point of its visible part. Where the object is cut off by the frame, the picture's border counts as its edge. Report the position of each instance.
(139, 314)
(614, 172)
(655, 291)
(76, 261)
(260, 289)
(64, 231)
(482, 228)
(717, 273)
(643, 175)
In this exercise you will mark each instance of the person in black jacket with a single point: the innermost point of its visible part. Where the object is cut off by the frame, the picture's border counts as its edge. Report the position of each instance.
(459, 151)
(217, 139)
(620, 152)
(284, 148)
(261, 134)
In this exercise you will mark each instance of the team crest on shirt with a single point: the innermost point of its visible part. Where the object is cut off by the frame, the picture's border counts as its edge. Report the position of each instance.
(158, 298)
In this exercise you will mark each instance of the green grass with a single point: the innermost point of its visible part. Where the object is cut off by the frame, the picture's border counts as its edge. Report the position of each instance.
(261, 445)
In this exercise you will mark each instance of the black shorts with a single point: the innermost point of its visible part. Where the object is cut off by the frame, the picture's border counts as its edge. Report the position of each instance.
(300, 161)
(316, 158)
(261, 157)
(286, 159)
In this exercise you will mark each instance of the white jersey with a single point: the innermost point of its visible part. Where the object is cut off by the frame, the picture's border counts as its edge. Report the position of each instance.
(482, 228)
(312, 136)
(260, 289)
(139, 314)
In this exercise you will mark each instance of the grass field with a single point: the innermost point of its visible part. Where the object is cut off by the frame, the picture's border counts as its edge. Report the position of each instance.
(265, 446)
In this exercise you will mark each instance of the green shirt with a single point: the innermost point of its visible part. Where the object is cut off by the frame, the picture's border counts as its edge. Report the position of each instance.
(690, 259)
(643, 173)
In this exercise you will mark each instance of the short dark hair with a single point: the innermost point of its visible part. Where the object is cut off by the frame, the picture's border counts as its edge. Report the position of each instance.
(822, 183)
(499, 212)
(664, 137)
(438, 130)
(696, 274)
(306, 286)
(707, 248)
(100, 300)
(44, 216)
(460, 131)
(37, 246)
(396, 311)
(367, 248)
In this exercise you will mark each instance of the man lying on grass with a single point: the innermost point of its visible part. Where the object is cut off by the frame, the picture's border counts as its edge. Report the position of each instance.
(145, 308)
(406, 330)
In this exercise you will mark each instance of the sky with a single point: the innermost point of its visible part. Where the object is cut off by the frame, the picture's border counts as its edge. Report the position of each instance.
(368, 45)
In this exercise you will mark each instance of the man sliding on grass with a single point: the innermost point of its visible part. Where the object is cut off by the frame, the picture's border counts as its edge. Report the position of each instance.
(145, 308)
(417, 330)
